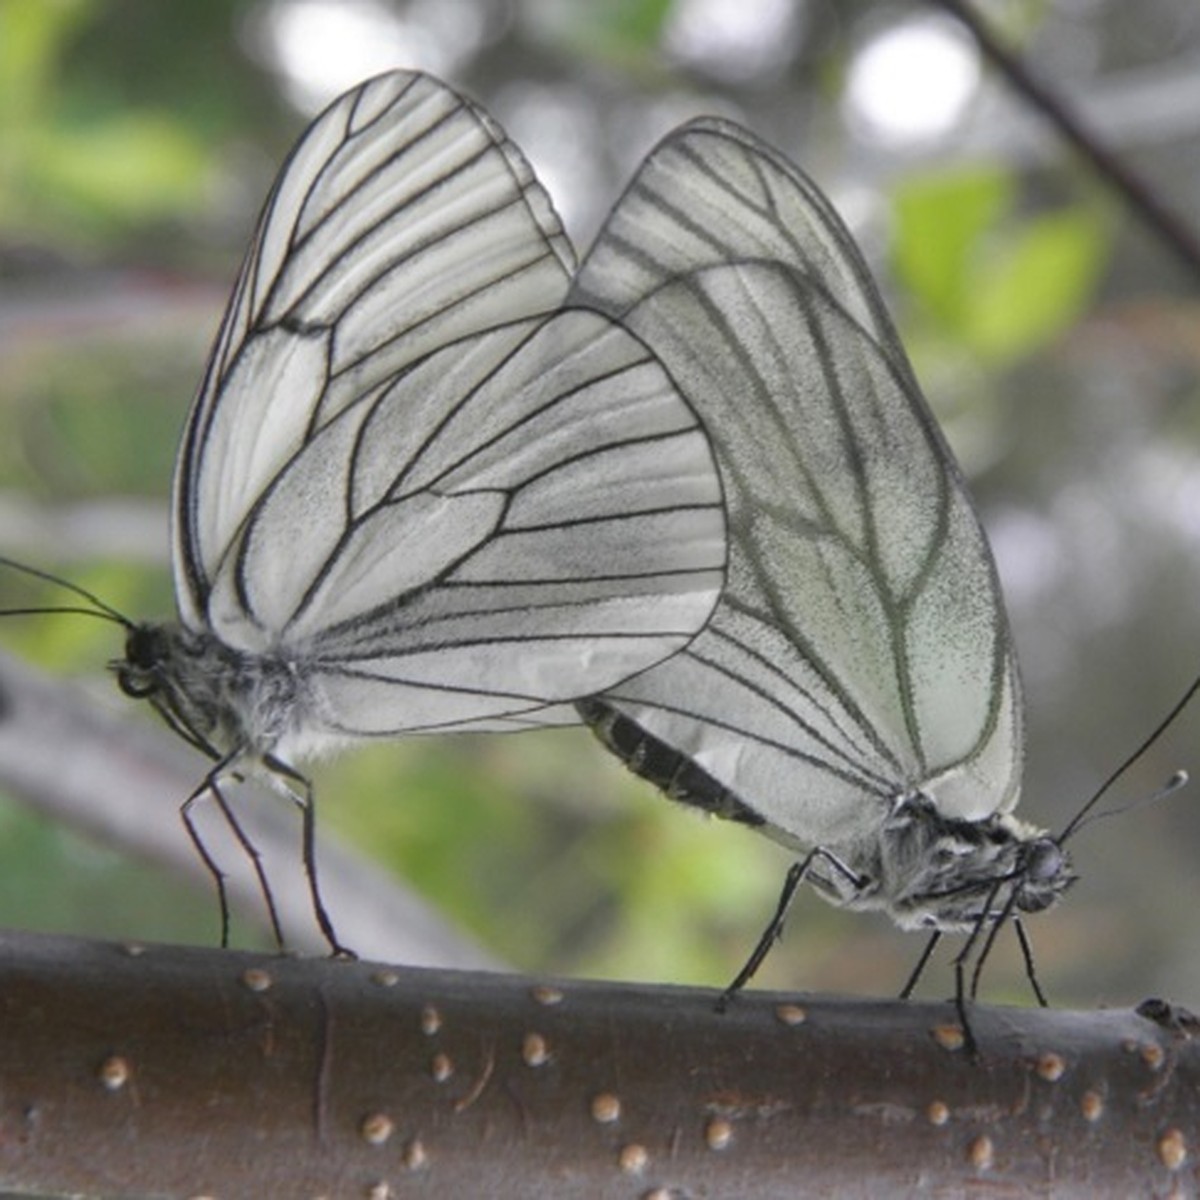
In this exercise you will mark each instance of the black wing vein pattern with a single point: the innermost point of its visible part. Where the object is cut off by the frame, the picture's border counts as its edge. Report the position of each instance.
(860, 650)
(410, 469)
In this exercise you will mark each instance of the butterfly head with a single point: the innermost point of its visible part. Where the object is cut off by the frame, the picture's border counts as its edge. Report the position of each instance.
(176, 670)
(1043, 873)
(142, 673)
(947, 873)
(219, 699)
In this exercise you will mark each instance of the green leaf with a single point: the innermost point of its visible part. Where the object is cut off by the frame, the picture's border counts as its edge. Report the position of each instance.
(939, 222)
(1037, 286)
(997, 284)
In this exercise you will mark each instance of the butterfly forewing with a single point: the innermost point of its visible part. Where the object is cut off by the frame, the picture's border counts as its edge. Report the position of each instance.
(860, 651)
(712, 193)
(408, 474)
(402, 220)
(482, 562)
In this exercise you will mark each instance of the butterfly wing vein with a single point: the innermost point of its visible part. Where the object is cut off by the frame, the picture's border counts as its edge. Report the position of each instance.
(413, 475)
(860, 650)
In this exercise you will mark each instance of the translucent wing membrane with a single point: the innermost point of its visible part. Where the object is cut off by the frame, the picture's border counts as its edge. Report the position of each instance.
(408, 471)
(860, 651)
(559, 518)
(403, 220)
(713, 194)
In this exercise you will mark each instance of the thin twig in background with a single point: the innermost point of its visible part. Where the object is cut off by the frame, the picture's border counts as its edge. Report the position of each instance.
(1178, 237)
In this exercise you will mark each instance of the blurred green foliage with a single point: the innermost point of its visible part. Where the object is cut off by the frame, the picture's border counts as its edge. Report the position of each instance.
(117, 438)
(624, 34)
(1000, 284)
(53, 880)
(74, 170)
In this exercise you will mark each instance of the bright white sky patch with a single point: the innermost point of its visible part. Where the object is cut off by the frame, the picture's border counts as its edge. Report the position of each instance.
(733, 39)
(912, 81)
(323, 47)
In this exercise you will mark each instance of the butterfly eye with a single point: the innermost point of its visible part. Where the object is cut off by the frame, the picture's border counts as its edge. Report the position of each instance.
(1044, 861)
(138, 674)
(135, 683)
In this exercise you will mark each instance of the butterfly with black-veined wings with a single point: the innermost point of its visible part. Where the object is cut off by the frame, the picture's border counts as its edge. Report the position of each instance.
(855, 695)
(415, 491)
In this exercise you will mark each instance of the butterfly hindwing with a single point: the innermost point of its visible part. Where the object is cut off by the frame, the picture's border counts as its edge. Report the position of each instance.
(407, 470)
(860, 650)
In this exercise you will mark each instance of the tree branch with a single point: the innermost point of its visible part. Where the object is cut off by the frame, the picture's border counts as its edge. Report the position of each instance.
(1177, 236)
(178, 1072)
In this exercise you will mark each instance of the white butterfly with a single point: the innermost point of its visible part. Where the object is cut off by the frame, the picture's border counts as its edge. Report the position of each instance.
(855, 694)
(415, 492)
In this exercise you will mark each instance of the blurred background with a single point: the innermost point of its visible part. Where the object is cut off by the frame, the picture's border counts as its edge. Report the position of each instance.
(1058, 341)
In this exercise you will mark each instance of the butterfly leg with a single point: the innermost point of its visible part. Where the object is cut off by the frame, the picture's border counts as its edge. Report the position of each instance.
(300, 788)
(989, 942)
(212, 787)
(961, 992)
(960, 999)
(794, 878)
(907, 990)
(218, 876)
(1027, 954)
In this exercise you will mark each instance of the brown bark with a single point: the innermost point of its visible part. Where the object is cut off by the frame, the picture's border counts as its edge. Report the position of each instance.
(179, 1072)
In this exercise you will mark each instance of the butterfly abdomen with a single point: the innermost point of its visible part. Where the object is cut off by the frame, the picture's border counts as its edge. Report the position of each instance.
(676, 775)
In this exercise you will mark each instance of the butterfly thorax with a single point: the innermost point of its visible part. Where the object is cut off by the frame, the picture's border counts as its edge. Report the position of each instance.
(930, 871)
(221, 700)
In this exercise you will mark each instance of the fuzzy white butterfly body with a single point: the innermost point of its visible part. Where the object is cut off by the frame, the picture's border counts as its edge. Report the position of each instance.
(855, 694)
(414, 492)
(417, 491)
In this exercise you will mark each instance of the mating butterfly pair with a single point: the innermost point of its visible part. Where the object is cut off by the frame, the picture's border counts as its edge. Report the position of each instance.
(439, 477)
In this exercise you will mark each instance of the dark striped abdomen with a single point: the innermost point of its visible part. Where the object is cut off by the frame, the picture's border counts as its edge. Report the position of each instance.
(675, 774)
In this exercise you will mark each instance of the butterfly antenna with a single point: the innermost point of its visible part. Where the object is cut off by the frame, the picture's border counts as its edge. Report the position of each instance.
(98, 607)
(1176, 781)
(1180, 779)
